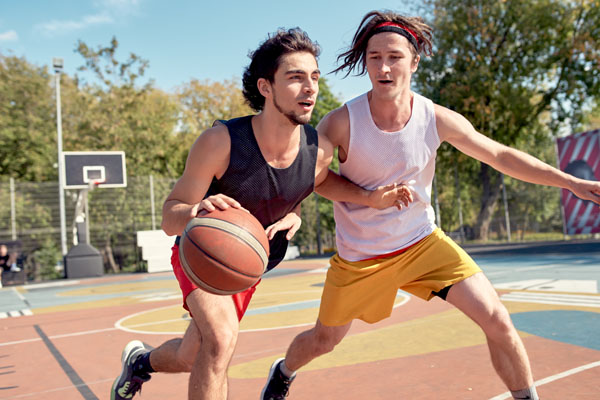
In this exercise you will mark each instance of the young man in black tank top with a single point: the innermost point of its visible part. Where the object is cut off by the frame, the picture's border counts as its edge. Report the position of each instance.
(281, 83)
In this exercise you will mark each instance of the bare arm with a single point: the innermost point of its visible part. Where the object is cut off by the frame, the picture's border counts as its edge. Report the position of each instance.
(208, 157)
(456, 130)
(334, 130)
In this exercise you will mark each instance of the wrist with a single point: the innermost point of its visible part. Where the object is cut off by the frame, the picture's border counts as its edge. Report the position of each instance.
(368, 196)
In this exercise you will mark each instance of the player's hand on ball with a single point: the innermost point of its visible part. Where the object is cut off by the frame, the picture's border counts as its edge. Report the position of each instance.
(290, 222)
(217, 201)
(392, 195)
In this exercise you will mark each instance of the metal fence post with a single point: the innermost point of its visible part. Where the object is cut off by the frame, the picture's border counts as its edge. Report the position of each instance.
(13, 213)
(506, 215)
(152, 203)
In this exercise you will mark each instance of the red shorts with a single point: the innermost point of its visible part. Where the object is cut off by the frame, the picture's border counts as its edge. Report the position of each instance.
(240, 300)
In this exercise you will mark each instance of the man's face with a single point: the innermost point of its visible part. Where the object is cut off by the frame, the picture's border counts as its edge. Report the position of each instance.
(3, 250)
(295, 87)
(390, 63)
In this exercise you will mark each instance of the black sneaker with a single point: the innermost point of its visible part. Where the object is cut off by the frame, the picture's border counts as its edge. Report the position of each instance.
(128, 383)
(278, 384)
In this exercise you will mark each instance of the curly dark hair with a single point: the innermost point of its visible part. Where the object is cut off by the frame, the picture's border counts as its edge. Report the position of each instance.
(354, 58)
(266, 59)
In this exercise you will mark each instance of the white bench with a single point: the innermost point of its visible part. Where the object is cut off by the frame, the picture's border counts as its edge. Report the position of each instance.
(292, 252)
(156, 249)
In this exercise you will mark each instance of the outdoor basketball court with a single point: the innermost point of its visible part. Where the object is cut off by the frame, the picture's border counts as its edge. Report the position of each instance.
(64, 340)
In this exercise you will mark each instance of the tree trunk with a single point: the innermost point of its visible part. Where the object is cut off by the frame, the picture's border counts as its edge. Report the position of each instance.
(491, 186)
(108, 256)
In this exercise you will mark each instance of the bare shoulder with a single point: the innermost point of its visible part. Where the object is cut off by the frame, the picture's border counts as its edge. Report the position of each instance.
(211, 149)
(451, 124)
(215, 137)
(335, 126)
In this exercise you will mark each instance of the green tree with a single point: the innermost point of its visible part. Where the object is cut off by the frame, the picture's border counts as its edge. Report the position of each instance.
(113, 112)
(203, 102)
(27, 121)
(513, 68)
(318, 226)
(110, 110)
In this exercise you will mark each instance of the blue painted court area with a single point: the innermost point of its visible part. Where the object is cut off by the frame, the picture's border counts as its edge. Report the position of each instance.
(579, 328)
(507, 268)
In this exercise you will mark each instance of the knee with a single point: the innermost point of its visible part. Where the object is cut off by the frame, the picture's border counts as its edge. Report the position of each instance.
(219, 346)
(498, 325)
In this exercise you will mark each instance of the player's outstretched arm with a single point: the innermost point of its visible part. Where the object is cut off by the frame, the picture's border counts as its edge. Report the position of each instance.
(456, 130)
(208, 158)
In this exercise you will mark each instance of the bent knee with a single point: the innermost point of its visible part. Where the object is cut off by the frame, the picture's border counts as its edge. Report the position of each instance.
(499, 324)
(219, 347)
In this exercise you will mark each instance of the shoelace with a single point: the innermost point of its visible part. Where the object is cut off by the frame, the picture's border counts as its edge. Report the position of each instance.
(136, 384)
(283, 386)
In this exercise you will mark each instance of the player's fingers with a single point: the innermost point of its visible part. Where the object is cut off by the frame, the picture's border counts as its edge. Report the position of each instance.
(232, 202)
(268, 232)
(221, 203)
(206, 205)
(276, 227)
(292, 231)
(398, 204)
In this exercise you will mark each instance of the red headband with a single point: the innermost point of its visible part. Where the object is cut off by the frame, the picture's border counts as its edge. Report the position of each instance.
(410, 34)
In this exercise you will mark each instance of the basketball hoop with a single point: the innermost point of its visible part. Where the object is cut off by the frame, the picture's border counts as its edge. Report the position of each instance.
(93, 184)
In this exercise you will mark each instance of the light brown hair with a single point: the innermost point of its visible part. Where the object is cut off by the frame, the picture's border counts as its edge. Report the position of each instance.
(354, 58)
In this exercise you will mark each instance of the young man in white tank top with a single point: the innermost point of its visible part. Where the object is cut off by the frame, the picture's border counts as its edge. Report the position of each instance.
(390, 135)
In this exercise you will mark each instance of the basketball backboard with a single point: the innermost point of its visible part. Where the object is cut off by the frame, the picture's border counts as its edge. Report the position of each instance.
(82, 168)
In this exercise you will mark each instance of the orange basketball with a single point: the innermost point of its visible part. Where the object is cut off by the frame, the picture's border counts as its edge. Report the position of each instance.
(224, 251)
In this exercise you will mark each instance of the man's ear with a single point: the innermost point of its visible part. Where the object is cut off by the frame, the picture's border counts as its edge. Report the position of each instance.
(415, 64)
(264, 87)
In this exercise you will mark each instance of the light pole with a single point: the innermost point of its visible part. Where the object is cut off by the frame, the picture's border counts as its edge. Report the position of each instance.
(57, 63)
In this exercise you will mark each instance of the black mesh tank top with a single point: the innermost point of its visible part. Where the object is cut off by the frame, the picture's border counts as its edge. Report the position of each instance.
(268, 193)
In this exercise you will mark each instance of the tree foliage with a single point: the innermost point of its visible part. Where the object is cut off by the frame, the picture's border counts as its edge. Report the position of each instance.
(203, 102)
(27, 121)
(318, 225)
(513, 68)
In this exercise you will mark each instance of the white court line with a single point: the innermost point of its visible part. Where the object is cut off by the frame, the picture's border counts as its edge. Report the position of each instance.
(520, 269)
(19, 295)
(49, 284)
(552, 378)
(118, 324)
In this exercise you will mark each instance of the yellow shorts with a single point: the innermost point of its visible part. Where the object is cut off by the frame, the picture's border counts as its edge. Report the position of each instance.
(367, 289)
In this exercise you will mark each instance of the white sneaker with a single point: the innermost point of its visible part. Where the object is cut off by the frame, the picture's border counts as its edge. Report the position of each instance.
(14, 268)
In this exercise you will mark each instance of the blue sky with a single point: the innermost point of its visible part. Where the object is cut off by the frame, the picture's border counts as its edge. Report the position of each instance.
(182, 39)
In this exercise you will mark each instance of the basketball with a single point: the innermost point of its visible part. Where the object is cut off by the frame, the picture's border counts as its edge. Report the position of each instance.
(224, 251)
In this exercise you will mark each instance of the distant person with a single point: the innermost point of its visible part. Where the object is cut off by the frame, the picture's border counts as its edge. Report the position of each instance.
(8, 262)
(266, 163)
(392, 134)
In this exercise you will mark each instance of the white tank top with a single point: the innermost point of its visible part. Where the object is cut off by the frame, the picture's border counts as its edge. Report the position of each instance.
(377, 158)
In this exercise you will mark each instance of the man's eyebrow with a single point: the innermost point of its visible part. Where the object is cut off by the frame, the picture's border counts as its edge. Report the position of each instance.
(384, 51)
(295, 71)
(302, 72)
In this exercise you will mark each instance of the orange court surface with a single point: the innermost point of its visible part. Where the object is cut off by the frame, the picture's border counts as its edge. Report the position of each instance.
(63, 340)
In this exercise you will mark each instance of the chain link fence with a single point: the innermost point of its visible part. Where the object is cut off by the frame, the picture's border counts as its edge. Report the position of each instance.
(29, 218)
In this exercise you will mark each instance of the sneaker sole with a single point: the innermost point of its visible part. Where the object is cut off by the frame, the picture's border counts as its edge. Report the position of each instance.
(271, 371)
(128, 348)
